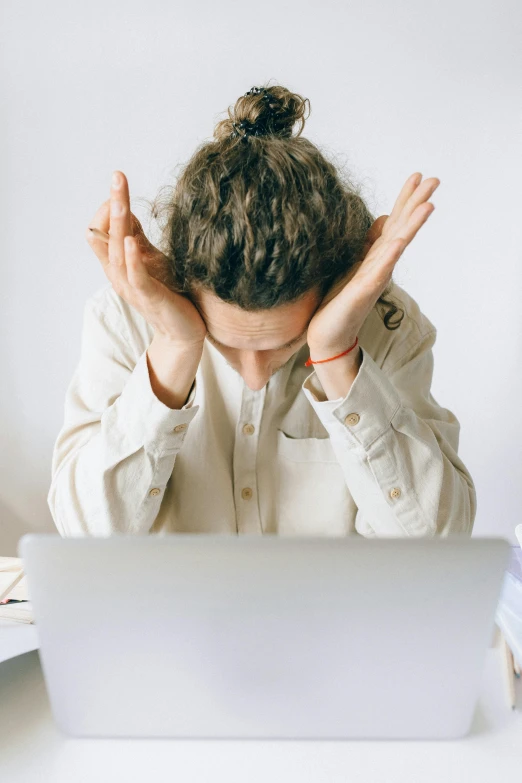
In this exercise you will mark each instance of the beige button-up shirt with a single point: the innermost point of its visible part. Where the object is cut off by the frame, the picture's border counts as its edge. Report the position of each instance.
(284, 460)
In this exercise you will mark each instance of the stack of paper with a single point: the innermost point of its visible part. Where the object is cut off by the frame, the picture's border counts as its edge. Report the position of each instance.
(18, 633)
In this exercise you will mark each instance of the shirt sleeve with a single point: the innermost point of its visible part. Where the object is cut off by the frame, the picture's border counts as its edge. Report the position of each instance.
(118, 444)
(397, 448)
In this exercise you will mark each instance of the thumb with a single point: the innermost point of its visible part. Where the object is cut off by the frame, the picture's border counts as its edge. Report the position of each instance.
(374, 232)
(376, 228)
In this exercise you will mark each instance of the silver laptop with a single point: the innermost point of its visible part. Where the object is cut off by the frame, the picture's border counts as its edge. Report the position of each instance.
(263, 637)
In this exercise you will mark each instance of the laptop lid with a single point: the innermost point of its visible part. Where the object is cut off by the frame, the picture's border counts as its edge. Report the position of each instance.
(270, 637)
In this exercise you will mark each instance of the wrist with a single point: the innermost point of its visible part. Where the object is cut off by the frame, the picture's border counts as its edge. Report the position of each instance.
(322, 353)
(348, 361)
(172, 371)
(337, 377)
(181, 347)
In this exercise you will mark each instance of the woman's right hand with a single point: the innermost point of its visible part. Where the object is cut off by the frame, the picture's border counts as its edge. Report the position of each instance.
(128, 260)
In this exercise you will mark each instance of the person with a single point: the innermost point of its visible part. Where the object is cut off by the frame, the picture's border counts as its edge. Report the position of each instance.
(258, 371)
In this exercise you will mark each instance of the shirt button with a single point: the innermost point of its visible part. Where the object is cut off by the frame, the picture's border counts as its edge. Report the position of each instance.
(155, 491)
(351, 419)
(249, 429)
(395, 492)
(246, 493)
(180, 428)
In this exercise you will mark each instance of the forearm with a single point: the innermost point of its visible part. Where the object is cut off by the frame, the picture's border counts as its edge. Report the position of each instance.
(109, 470)
(90, 495)
(172, 370)
(401, 467)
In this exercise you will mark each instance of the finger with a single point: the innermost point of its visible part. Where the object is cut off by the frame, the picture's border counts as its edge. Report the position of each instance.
(141, 238)
(419, 196)
(137, 231)
(390, 252)
(99, 235)
(378, 266)
(417, 219)
(137, 273)
(372, 277)
(408, 188)
(374, 232)
(120, 223)
(100, 221)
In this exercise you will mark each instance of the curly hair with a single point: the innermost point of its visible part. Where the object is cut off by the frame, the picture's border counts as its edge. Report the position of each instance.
(259, 218)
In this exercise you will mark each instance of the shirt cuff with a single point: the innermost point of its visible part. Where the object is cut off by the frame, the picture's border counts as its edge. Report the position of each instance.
(191, 397)
(365, 413)
(150, 421)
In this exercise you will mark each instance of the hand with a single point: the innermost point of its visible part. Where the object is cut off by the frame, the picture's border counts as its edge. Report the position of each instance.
(339, 318)
(138, 272)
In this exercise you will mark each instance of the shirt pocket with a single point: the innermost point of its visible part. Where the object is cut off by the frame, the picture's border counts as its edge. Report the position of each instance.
(311, 491)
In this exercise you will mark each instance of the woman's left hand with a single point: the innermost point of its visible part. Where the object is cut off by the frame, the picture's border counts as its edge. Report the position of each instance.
(341, 314)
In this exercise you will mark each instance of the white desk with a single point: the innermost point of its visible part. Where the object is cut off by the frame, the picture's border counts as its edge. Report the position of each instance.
(33, 749)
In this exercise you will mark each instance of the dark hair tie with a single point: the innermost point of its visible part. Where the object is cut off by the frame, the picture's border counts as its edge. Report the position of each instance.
(258, 128)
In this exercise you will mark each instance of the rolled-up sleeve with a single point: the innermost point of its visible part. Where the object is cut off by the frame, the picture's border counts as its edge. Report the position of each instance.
(398, 448)
(116, 449)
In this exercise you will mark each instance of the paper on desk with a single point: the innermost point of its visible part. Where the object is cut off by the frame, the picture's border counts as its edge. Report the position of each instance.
(13, 583)
(19, 613)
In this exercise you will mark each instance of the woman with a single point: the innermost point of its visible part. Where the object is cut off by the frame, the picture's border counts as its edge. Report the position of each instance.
(259, 372)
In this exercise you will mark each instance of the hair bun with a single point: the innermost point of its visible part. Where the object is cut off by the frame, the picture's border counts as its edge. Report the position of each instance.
(264, 111)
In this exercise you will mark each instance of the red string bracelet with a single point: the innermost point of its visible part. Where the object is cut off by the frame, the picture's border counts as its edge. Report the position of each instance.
(310, 361)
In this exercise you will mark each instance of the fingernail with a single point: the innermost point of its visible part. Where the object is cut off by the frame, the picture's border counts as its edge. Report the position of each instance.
(116, 180)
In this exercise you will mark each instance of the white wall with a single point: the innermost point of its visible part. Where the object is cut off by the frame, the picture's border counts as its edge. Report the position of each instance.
(394, 88)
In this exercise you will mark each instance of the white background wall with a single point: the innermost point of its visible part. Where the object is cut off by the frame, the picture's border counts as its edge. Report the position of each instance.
(395, 87)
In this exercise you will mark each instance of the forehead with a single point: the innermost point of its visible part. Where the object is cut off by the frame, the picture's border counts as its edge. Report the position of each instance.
(255, 330)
